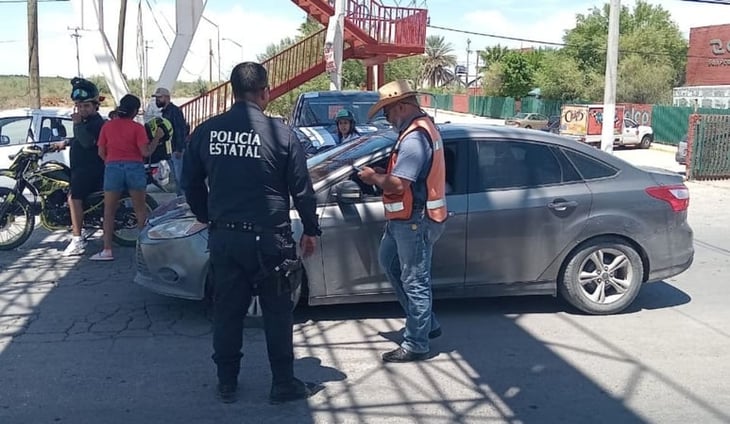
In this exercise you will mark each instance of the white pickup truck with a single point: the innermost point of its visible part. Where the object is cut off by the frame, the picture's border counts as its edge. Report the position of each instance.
(585, 124)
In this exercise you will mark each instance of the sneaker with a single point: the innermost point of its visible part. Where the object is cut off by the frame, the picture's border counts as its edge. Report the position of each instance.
(104, 255)
(76, 247)
(86, 233)
(295, 391)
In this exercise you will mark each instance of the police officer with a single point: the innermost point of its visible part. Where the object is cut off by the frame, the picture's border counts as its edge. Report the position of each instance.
(253, 165)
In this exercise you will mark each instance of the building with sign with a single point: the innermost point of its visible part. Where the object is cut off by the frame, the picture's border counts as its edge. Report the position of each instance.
(708, 69)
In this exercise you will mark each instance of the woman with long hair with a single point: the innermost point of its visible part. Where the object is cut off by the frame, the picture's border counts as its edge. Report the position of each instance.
(346, 131)
(123, 145)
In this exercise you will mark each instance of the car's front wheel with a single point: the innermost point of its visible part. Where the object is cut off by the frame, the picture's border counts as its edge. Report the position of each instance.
(602, 276)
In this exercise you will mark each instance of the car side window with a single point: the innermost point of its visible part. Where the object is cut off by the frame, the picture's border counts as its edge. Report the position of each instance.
(505, 164)
(15, 129)
(589, 168)
(54, 129)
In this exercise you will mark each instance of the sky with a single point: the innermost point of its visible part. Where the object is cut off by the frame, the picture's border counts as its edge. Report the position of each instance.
(254, 24)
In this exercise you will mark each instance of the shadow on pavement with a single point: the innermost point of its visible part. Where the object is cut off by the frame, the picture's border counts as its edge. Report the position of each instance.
(79, 343)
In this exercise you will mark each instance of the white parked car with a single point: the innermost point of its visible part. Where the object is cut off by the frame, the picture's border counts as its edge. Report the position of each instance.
(19, 127)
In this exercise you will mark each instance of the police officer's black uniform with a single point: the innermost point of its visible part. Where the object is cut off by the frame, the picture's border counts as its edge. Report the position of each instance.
(253, 164)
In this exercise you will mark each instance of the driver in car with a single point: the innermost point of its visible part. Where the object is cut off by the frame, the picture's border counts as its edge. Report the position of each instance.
(87, 168)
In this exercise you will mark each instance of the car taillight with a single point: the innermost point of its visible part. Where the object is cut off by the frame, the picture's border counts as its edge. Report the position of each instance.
(676, 195)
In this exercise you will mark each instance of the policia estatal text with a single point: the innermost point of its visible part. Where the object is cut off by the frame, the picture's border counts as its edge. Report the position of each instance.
(253, 164)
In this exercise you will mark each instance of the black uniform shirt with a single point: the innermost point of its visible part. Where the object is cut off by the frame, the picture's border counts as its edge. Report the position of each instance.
(253, 163)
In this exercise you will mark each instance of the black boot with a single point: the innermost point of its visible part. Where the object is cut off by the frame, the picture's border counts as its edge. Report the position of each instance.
(295, 390)
(227, 393)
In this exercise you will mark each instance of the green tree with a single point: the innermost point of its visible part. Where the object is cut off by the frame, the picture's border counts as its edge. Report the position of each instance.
(408, 68)
(439, 58)
(639, 83)
(491, 55)
(493, 80)
(353, 74)
(646, 30)
(518, 75)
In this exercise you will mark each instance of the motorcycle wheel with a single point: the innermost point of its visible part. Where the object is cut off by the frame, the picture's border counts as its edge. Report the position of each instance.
(19, 208)
(125, 221)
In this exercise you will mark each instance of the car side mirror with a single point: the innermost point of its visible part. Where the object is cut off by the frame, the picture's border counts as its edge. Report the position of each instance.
(4, 140)
(348, 192)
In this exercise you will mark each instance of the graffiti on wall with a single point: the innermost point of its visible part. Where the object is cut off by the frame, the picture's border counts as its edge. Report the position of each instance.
(640, 113)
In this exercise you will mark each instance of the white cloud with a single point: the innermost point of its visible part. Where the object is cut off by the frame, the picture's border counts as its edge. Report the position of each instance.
(255, 31)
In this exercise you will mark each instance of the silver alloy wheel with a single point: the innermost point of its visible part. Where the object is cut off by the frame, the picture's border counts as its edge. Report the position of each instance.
(605, 275)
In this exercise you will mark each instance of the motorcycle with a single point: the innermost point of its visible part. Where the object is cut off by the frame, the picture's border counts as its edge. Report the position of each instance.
(49, 182)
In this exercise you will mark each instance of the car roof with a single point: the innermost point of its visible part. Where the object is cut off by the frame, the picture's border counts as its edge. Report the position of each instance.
(335, 93)
(479, 130)
(46, 111)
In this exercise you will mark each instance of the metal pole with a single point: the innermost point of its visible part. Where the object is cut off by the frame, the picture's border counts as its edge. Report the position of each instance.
(609, 94)
(34, 84)
(219, 52)
(120, 31)
(468, 52)
(76, 37)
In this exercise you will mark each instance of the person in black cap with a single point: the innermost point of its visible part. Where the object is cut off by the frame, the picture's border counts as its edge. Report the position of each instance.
(87, 168)
(253, 164)
(123, 144)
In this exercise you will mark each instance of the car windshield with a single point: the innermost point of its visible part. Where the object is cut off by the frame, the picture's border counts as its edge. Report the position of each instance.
(349, 154)
(520, 116)
(320, 109)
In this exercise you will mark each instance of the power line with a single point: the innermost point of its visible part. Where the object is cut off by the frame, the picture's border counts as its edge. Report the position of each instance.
(557, 44)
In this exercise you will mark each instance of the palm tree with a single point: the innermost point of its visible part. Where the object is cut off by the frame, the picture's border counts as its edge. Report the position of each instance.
(491, 55)
(438, 60)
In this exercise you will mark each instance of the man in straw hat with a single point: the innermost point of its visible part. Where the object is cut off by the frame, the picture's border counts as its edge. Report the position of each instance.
(413, 188)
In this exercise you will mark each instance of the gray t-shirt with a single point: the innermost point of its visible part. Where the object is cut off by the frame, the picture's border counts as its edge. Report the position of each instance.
(414, 162)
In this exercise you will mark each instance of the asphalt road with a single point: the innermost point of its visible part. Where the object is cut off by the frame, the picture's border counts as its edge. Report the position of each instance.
(80, 343)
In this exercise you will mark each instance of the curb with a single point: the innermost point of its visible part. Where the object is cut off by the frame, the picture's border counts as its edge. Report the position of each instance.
(667, 148)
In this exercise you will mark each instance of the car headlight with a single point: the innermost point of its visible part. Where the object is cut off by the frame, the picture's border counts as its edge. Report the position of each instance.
(176, 228)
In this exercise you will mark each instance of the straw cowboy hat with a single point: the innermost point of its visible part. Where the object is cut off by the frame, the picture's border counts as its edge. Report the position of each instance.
(390, 93)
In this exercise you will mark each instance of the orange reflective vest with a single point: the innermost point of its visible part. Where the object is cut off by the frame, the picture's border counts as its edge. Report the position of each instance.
(400, 206)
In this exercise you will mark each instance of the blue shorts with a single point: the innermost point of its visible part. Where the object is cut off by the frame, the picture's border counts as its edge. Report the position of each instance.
(125, 176)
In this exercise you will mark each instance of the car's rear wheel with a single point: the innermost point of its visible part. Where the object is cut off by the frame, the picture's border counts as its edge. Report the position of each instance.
(602, 276)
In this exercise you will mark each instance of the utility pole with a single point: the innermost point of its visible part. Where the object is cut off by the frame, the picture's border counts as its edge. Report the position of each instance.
(468, 52)
(34, 83)
(145, 68)
(76, 37)
(210, 60)
(120, 32)
(609, 93)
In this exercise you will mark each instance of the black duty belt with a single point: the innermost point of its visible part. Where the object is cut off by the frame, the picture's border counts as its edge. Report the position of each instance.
(248, 227)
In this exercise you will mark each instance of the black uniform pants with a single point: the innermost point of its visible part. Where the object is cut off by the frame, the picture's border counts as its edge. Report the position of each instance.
(235, 265)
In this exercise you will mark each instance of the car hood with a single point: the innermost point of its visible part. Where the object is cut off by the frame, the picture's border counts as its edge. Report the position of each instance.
(178, 208)
(324, 136)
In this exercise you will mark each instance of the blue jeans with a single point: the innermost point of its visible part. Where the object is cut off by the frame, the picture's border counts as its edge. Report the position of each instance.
(176, 165)
(124, 175)
(405, 256)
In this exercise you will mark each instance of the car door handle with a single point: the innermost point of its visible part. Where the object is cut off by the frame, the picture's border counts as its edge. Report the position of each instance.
(562, 205)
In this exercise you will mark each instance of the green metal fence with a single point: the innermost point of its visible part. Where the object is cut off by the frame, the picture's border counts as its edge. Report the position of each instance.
(710, 149)
(671, 123)
(492, 107)
(542, 106)
(443, 101)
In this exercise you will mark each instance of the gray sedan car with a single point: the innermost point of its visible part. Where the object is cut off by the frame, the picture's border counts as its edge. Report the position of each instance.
(529, 213)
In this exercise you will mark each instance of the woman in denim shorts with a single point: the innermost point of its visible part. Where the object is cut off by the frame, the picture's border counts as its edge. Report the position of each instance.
(123, 145)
